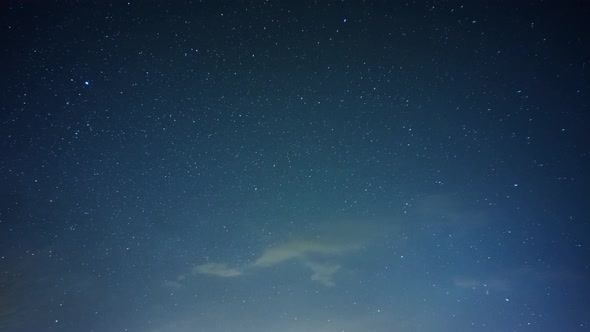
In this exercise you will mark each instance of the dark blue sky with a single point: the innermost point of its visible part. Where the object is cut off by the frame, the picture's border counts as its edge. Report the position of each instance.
(294, 166)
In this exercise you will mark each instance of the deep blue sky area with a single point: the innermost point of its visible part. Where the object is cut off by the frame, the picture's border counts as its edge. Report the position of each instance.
(288, 166)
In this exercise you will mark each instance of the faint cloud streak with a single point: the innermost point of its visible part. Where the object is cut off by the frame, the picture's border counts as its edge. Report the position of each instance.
(300, 249)
(322, 273)
(217, 269)
(312, 252)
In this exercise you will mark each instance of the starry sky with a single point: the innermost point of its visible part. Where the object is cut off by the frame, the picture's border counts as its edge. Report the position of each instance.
(318, 166)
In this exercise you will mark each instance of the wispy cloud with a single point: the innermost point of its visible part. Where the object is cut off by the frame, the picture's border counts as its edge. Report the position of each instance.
(314, 253)
(322, 273)
(304, 250)
(300, 249)
(307, 251)
(178, 283)
(217, 269)
(172, 284)
(473, 283)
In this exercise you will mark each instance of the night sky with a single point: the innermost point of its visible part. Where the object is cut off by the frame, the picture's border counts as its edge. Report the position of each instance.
(290, 166)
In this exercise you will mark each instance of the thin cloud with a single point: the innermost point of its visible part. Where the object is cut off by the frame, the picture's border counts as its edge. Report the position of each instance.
(322, 273)
(178, 283)
(299, 249)
(172, 284)
(336, 240)
(304, 250)
(472, 283)
(308, 251)
(217, 269)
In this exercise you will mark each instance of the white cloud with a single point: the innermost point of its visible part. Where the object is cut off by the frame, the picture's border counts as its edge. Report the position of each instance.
(299, 249)
(307, 251)
(323, 272)
(329, 242)
(217, 269)
(172, 284)
(178, 283)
